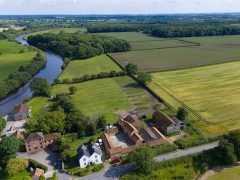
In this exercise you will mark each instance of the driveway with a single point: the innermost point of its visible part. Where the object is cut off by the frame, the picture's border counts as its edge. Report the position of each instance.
(111, 172)
(46, 157)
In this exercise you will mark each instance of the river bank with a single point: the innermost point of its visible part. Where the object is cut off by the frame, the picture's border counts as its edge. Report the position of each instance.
(50, 72)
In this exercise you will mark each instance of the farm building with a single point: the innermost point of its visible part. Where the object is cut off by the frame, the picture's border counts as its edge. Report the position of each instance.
(125, 138)
(167, 124)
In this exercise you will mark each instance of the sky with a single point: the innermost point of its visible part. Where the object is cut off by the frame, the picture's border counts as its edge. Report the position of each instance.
(13, 7)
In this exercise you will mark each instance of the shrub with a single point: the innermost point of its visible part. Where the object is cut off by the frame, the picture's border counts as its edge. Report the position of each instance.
(35, 164)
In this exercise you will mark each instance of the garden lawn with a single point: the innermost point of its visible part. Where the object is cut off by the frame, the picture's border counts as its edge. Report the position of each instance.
(38, 103)
(212, 50)
(8, 47)
(226, 174)
(19, 176)
(9, 63)
(211, 91)
(97, 97)
(92, 66)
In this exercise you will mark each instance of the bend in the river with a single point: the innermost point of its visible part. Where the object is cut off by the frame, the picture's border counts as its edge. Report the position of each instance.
(50, 72)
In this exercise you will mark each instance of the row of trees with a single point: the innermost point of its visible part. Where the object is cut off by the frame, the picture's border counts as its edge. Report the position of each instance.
(23, 75)
(193, 30)
(78, 46)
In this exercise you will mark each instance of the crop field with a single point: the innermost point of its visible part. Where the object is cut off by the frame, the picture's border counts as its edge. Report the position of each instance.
(211, 91)
(110, 96)
(9, 63)
(212, 50)
(95, 65)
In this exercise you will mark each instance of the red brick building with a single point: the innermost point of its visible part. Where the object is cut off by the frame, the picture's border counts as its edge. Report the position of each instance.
(38, 141)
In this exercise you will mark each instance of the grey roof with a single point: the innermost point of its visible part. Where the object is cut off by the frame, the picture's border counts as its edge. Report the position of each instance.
(88, 150)
(150, 133)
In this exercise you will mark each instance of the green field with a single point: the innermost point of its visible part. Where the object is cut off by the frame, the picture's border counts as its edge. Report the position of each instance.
(97, 97)
(8, 47)
(211, 91)
(161, 44)
(226, 174)
(130, 36)
(109, 96)
(11, 59)
(95, 65)
(9, 63)
(211, 51)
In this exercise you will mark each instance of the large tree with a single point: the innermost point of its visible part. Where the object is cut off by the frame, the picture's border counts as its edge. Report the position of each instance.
(48, 122)
(40, 87)
(144, 78)
(131, 69)
(9, 146)
(142, 160)
(181, 114)
(16, 165)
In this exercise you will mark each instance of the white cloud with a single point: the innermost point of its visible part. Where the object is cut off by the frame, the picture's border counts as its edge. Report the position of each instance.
(116, 6)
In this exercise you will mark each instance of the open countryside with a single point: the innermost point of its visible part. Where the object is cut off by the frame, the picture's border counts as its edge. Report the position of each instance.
(211, 50)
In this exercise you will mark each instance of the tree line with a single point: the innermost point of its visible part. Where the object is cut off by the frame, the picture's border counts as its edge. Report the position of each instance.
(22, 76)
(195, 31)
(79, 45)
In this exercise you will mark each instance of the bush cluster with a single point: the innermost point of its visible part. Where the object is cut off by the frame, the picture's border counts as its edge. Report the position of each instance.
(35, 164)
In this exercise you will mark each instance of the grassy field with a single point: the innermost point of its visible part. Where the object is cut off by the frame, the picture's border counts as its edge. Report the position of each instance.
(9, 63)
(90, 66)
(98, 97)
(37, 103)
(19, 176)
(226, 174)
(109, 97)
(8, 47)
(211, 51)
(211, 91)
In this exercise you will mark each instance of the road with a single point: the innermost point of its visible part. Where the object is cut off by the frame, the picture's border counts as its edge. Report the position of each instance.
(110, 172)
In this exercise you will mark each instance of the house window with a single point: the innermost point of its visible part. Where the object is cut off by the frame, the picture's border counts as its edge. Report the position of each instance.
(95, 156)
(84, 159)
(96, 160)
(85, 164)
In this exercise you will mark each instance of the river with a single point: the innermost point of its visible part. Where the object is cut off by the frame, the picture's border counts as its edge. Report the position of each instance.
(50, 72)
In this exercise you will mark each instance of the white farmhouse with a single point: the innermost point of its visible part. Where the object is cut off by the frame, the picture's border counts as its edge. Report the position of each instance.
(89, 154)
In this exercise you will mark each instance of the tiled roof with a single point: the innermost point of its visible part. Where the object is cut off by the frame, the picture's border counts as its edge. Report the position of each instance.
(35, 137)
(136, 138)
(166, 120)
(38, 172)
(53, 136)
